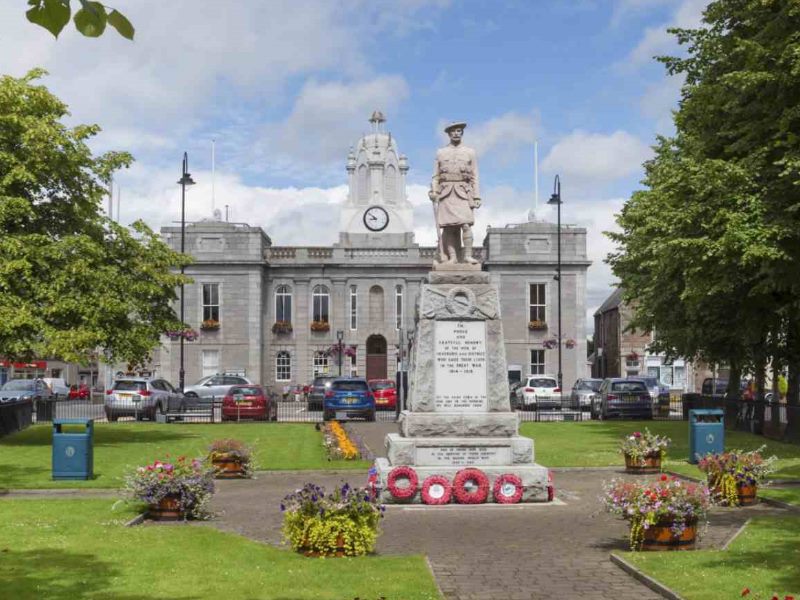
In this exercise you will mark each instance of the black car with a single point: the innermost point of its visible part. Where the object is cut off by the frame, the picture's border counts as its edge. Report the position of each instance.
(316, 395)
(623, 398)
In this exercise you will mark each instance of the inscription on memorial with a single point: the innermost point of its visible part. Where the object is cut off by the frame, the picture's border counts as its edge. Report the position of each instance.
(460, 366)
(457, 456)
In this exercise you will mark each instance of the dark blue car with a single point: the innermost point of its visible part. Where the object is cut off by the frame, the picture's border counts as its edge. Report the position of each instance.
(623, 398)
(348, 397)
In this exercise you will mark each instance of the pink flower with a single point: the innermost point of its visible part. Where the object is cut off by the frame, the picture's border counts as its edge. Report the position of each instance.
(637, 434)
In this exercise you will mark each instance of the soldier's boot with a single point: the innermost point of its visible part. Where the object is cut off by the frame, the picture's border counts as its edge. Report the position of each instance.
(448, 241)
(466, 236)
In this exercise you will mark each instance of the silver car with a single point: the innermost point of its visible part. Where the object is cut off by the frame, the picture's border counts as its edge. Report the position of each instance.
(25, 389)
(215, 386)
(142, 398)
(584, 393)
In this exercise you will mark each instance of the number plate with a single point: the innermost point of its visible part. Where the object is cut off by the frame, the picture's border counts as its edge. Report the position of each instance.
(341, 414)
(243, 403)
(351, 400)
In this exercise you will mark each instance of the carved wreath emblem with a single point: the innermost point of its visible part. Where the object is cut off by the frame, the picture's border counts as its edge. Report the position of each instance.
(460, 301)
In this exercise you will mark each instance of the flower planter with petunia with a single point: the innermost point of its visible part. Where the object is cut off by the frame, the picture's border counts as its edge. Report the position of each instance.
(320, 326)
(537, 325)
(644, 451)
(179, 489)
(188, 335)
(734, 476)
(209, 325)
(342, 523)
(281, 327)
(663, 514)
(231, 459)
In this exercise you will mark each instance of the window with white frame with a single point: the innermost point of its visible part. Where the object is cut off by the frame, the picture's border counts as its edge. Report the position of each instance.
(283, 303)
(536, 302)
(353, 307)
(211, 302)
(320, 302)
(283, 366)
(537, 362)
(398, 306)
(320, 364)
(210, 364)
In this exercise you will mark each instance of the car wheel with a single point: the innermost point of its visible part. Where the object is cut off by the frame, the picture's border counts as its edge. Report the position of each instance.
(371, 416)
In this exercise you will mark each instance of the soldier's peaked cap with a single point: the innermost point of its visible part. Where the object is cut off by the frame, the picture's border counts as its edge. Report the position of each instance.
(454, 125)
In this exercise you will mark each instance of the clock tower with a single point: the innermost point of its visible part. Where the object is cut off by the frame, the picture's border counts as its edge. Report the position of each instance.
(377, 211)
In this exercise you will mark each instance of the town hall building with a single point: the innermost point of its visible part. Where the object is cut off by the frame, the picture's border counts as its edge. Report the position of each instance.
(277, 313)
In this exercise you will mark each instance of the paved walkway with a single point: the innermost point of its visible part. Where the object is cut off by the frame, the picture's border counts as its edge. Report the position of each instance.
(556, 550)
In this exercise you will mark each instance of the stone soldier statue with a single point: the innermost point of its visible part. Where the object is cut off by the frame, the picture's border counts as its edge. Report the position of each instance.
(455, 190)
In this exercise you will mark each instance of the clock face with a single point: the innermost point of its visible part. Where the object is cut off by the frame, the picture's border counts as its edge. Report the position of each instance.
(376, 218)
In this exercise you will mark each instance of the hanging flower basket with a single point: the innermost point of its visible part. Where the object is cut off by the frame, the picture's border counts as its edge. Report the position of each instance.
(189, 335)
(209, 325)
(632, 356)
(320, 326)
(537, 325)
(550, 344)
(282, 327)
(345, 350)
(570, 343)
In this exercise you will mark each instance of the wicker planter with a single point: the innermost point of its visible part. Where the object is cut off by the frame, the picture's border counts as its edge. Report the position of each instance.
(228, 468)
(648, 464)
(167, 509)
(659, 538)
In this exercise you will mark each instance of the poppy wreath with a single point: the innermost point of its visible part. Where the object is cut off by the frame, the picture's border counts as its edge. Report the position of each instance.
(551, 487)
(465, 496)
(436, 490)
(402, 493)
(508, 489)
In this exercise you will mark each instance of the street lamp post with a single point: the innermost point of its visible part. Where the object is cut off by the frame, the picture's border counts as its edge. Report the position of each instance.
(339, 338)
(556, 199)
(186, 179)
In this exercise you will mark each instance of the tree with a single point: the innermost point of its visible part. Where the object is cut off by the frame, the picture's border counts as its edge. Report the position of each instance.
(71, 280)
(711, 249)
(91, 19)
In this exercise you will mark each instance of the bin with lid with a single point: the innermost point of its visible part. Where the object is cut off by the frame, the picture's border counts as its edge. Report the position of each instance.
(73, 451)
(706, 432)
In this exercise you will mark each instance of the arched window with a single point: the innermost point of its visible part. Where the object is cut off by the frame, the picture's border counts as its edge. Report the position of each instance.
(283, 303)
(376, 311)
(390, 184)
(283, 366)
(320, 303)
(398, 306)
(320, 365)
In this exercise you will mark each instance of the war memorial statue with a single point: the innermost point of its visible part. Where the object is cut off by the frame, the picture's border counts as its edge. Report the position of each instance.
(455, 192)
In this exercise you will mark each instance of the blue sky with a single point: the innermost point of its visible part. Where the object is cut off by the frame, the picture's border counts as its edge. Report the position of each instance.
(285, 87)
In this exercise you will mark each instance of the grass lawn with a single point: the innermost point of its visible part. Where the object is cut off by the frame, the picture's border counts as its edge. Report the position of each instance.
(764, 558)
(595, 443)
(790, 495)
(25, 457)
(66, 549)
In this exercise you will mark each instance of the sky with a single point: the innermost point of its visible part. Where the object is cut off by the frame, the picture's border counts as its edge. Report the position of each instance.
(286, 87)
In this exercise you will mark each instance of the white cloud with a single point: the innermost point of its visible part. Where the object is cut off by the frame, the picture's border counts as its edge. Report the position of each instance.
(660, 99)
(586, 160)
(656, 41)
(500, 138)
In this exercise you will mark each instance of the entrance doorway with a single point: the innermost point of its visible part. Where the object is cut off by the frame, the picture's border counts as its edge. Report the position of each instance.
(376, 357)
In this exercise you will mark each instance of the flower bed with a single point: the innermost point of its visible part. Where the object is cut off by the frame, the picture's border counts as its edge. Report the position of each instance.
(183, 486)
(644, 451)
(343, 523)
(735, 476)
(231, 459)
(664, 503)
(338, 444)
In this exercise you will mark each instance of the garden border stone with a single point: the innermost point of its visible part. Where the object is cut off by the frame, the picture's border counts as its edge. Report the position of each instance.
(641, 577)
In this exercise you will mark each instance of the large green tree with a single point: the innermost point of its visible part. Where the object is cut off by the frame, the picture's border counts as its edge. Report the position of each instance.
(710, 250)
(71, 280)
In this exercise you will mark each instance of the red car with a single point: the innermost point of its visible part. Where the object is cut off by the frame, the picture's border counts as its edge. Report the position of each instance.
(79, 392)
(248, 402)
(385, 393)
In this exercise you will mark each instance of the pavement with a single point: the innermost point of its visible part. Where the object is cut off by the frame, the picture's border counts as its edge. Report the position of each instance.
(557, 550)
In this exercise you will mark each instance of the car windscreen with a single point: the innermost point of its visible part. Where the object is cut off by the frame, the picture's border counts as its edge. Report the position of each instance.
(382, 385)
(322, 381)
(628, 386)
(650, 381)
(247, 390)
(594, 386)
(349, 386)
(130, 386)
(20, 384)
(542, 382)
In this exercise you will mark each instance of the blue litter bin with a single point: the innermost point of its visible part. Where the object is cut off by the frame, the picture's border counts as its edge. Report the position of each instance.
(706, 432)
(73, 452)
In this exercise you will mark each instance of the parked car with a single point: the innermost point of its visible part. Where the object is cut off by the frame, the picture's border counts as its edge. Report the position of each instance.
(25, 389)
(319, 386)
(585, 393)
(348, 397)
(539, 392)
(79, 392)
(143, 398)
(624, 398)
(212, 386)
(385, 393)
(249, 402)
(710, 389)
(58, 387)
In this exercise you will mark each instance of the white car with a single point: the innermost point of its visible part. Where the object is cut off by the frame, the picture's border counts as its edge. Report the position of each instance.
(538, 392)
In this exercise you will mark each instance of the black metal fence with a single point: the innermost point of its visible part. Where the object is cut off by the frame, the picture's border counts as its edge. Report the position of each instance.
(15, 416)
